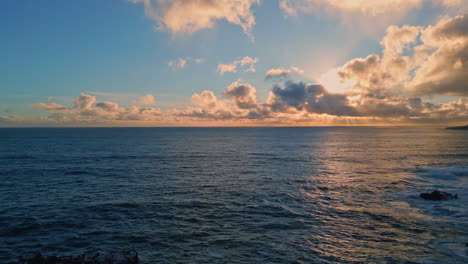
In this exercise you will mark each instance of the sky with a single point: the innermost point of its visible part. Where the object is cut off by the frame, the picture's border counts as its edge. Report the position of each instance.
(233, 62)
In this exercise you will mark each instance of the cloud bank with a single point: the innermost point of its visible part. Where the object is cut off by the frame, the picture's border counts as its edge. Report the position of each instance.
(86, 108)
(394, 87)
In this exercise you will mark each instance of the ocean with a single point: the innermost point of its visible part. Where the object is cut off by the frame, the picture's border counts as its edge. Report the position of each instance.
(236, 195)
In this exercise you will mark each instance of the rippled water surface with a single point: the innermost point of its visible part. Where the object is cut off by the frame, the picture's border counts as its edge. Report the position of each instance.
(235, 195)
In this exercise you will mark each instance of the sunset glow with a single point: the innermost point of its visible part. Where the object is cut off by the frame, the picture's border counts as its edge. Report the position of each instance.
(233, 131)
(205, 63)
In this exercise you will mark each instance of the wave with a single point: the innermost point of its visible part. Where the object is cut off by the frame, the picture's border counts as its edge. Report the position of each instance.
(450, 172)
(453, 248)
(77, 172)
(16, 157)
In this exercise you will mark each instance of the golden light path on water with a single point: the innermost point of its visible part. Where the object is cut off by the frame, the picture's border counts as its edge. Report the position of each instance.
(365, 201)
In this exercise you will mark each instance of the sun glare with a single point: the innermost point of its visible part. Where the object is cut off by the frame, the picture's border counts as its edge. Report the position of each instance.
(333, 83)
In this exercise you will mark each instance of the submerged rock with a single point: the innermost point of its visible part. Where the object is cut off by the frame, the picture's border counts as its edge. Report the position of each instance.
(438, 196)
(121, 257)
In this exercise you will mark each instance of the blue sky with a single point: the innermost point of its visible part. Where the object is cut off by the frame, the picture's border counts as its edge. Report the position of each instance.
(53, 50)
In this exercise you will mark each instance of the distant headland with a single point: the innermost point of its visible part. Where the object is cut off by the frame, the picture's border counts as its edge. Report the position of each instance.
(458, 127)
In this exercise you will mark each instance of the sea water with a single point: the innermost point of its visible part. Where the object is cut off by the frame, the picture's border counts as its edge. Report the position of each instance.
(236, 195)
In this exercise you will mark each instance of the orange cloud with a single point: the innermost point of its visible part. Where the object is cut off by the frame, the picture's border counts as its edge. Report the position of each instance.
(369, 7)
(438, 66)
(368, 16)
(147, 100)
(188, 16)
(177, 64)
(282, 73)
(393, 87)
(247, 63)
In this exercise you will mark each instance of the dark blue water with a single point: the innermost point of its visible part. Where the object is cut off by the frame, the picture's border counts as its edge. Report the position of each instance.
(235, 195)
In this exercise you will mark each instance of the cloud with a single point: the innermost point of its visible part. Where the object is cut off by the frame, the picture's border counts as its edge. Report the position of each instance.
(188, 16)
(453, 3)
(416, 62)
(246, 63)
(313, 98)
(398, 38)
(177, 64)
(304, 98)
(373, 73)
(108, 106)
(397, 86)
(367, 7)
(140, 114)
(368, 16)
(181, 63)
(291, 103)
(84, 101)
(443, 66)
(147, 100)
(86, 108)
(244, 95)
(205, 99)
(51, 107)
(282, 73)
(438, 66)
(223, 68)
(239, 103)
(10, 119)
(300, 101)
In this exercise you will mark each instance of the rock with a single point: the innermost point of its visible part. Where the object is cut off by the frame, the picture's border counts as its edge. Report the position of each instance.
(121, 257)
(438, 196)
(458, 128)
